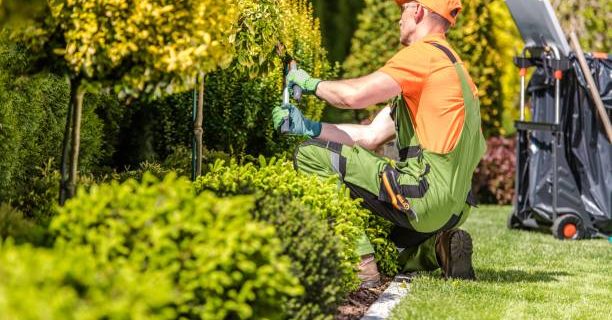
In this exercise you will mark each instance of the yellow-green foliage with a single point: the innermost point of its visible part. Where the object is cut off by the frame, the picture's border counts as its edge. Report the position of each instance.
(376, 39)
(475, 37)
(149, 46)
(508, 43)
(326, 199)
(224, 264)
(238, 106)
(69, 284)
(590, 19)
(238, 100)
(484, 37)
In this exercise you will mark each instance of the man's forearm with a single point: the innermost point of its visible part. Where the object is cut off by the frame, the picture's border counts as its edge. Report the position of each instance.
(358, 93)
(343, 94)
(370, 136)
(348, 134)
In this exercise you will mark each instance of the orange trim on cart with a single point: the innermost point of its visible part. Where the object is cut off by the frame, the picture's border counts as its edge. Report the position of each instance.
(600, 55)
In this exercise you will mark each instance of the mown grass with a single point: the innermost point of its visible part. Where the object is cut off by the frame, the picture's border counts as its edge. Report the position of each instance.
(521, 275)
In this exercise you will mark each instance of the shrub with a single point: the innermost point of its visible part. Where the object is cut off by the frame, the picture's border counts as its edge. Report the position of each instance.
(494, 176)
(238, 100)
(51, 284)
(224, 265)
(13, 224)
(38, 199)
(327, 201)
(590, 19)
(315, 254)
(32, 122)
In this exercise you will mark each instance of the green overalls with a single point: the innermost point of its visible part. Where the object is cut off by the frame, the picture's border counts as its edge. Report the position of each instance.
(432, 189)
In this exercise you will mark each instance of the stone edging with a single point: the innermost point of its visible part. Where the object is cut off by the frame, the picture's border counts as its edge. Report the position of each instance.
(381, 309)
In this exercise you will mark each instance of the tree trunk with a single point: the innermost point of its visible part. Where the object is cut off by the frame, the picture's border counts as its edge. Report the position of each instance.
(66, 145)
(197, 126)
(76, 140)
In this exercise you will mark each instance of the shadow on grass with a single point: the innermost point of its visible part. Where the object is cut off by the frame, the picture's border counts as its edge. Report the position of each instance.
(512, 276)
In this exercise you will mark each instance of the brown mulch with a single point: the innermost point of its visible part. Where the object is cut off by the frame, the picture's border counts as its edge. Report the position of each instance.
(358, 302)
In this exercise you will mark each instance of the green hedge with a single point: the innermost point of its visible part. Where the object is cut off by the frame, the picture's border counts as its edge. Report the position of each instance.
(53, 284)
(238, 101)
(13, 224)
(314, 252)
(32, 122)
(326, 199)
(224, 264)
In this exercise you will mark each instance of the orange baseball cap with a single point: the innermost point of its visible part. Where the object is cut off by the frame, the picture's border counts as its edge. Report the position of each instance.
(449, 9)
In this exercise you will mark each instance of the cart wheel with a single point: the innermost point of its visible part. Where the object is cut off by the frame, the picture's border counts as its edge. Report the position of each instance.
(514, 222)
(568, 227)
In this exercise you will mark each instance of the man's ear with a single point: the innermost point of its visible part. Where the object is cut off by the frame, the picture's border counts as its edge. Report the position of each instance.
(420, 14)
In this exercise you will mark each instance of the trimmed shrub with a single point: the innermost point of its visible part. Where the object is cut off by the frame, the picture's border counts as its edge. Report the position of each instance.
(326, 198)
(495, 174)
(315, 254)
(238, 100)
(224, 265)
(50, 284)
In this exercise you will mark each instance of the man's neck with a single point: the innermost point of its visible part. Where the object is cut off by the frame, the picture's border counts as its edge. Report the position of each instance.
(425, 30)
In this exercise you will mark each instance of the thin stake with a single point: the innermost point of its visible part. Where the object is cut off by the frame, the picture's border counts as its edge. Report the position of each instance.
(591, 84)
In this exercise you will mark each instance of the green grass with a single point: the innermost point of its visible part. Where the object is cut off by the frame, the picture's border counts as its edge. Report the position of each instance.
(521, 275)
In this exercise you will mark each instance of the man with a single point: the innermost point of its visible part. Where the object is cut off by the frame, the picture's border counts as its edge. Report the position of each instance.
(435, 118)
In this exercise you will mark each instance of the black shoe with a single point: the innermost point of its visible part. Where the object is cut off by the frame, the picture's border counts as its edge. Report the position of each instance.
(454, 253)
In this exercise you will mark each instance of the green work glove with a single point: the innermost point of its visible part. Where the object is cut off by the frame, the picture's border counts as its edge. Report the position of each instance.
(303, 79)
(298, 125)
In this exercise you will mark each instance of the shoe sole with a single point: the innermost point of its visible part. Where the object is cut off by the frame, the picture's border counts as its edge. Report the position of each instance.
(461, 256)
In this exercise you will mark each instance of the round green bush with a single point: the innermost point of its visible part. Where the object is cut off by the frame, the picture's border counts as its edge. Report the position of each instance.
(224, 264)
(327, 199)
(55, 284)
(314, 252)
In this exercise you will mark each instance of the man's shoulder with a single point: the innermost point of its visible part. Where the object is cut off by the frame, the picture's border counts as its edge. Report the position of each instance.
(414, 53)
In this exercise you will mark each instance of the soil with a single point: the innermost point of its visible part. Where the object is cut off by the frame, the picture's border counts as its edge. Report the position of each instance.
(358, 302)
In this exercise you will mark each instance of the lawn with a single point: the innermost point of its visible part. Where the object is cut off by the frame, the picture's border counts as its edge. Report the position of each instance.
(521, 275)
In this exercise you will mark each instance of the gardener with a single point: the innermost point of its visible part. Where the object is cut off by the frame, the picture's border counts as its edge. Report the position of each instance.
(435, 118)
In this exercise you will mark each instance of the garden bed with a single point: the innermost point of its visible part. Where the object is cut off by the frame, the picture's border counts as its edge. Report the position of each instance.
(358, 302)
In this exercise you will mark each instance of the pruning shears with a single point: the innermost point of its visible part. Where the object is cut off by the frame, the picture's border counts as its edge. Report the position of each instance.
(288, 64)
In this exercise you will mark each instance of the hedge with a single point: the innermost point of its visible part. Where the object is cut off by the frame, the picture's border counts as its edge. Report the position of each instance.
(224, 264)
(315, 254)
(14, 224)
(326, 198)
(54, 284)
(32, 122)
(238, 101)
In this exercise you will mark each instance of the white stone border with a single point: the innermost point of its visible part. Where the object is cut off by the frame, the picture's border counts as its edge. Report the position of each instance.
(381, 309)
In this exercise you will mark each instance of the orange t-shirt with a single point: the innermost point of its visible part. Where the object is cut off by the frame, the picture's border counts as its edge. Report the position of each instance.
(432, 89)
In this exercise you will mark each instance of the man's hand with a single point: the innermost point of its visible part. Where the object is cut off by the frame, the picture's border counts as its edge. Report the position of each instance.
(298, 125)
(303, 79)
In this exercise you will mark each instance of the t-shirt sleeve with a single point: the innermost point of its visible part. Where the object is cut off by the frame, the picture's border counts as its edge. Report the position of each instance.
(409, 68)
